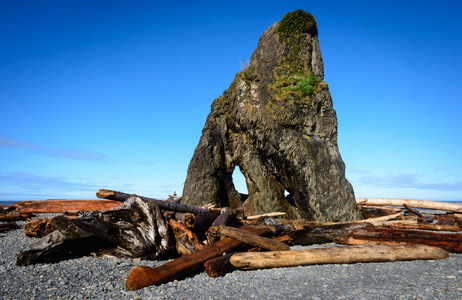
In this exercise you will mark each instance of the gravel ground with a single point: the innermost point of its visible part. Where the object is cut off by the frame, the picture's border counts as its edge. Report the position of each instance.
(104, 278)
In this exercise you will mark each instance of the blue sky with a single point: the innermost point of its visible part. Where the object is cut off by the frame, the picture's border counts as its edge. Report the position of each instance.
(114, 94)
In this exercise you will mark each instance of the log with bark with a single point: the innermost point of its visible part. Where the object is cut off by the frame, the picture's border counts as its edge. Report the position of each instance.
(252, 239)
(335, 255)
(219, 266)
(370, 220)
(227, 217)
(448, 219)
(39, 228)
(15, 216)
(186, 242)
(137, 230)
(414, 224)
(204, 217)
(75, 240)
(187, 219)
(119, 196)
(324, 233)
(412, 203)
(382, 218)
(298, 224)
(142, 276)
(59, 206)
(8, 226)
(370, 211)
(348, 240)
(451, 242)
(412, 210)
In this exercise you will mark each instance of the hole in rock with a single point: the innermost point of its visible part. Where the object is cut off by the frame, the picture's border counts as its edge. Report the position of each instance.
(239, 183)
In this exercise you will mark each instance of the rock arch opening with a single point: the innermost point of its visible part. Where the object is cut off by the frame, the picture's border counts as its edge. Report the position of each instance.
(240, 183)
(289, 198)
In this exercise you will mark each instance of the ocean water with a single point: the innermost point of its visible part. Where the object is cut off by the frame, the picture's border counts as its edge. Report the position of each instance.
(457, 202)
(7, 203)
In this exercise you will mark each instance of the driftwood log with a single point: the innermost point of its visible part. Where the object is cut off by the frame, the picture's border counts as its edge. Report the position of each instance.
(252, 239)
(348, 240)
(187, 219)
(186, 242)
(219, 266)
(412, 203)
(451, 242)
(227, 217)
(412, 210)
(15, 216)
(59, 206)
(167, 205)
(383, 218)
(8, 226)
(268, 215)
(39, 228)
(298, 224)
(370, 220)
(448, 219)
(335, 255)
(136, 230)
(370, 211)
(325, 233)
(413, 224)
(72, 240)
(204, 217)
(142, 276)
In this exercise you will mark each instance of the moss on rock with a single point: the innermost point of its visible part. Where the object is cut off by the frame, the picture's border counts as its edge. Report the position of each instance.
(296, 23)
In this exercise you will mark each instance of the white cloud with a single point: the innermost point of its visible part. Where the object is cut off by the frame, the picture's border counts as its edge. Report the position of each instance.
(79, 154)
(410, 181)
(25, 185)
(442, 169)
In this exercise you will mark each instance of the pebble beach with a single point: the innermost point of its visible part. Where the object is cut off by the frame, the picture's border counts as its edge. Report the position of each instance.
(104, 278)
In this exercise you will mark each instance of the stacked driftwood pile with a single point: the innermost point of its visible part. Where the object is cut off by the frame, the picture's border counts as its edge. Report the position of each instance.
(221, 240)
(8, 217)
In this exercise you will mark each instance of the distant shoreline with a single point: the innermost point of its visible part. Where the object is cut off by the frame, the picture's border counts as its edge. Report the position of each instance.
(11, 202)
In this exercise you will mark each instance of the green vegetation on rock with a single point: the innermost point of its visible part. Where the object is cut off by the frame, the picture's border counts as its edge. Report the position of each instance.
(295, 23)
(305, 85)
(290, 84)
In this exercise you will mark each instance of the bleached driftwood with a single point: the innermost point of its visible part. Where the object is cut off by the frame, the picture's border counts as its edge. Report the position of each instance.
(412, 203)
(335, 255)
(136, 230)
(269, 215)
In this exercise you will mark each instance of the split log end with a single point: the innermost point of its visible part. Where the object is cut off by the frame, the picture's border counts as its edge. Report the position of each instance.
(219, 266)
(104, 194)
(139, 277)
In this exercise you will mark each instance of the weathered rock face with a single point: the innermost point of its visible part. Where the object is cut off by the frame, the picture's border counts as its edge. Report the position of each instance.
(276, 123)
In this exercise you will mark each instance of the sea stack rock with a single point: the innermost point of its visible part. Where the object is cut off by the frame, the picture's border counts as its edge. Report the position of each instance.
(277, 124)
